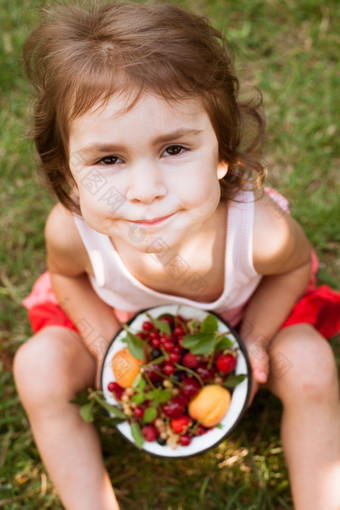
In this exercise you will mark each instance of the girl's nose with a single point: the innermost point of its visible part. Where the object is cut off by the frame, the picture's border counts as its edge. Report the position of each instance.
(145, 184)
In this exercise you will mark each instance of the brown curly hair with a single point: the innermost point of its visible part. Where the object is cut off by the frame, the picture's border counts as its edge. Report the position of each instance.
(78, 57)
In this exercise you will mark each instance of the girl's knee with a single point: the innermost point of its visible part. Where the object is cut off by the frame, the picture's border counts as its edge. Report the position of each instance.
(303, 365)
(44, 367)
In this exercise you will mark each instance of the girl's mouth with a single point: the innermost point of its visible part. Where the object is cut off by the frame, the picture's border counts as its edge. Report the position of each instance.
(154, 221)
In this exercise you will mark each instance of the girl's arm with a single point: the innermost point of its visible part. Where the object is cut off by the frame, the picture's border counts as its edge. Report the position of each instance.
(282, 254)
(69, 266)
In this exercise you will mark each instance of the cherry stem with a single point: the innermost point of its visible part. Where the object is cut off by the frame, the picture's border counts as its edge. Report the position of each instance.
(194, 427)
(149, 380)
(192, 372)
(165, 377)
(211, 357)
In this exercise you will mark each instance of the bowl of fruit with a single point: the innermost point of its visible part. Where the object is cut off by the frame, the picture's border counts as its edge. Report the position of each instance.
(176, 380)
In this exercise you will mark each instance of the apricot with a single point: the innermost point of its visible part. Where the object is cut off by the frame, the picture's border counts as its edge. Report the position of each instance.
(125, 367)
(210, 405)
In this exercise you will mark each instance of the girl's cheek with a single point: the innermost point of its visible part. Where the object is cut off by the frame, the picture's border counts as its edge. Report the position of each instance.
(91, 202)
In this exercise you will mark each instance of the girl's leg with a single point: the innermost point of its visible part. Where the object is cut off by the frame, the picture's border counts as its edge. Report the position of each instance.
(304, 376)
(50, 369)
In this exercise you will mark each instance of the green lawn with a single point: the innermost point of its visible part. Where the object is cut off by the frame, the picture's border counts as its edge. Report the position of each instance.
(290, 49)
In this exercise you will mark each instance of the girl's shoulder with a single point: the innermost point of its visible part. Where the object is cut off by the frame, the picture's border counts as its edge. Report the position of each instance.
(65, 250)
(279, 243)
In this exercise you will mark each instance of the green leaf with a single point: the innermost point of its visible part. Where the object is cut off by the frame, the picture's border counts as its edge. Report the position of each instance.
(118, 413)
(81, 399)
(138, 398)
(164, 396)
(204, 346)
(137, 381)
(209, 325)
(156, 361)
(191, 340)
(97, 396)
(234, 380)
(149, 414)
(135, 345)
(86, 411)
(224, 343)
(199, 343)
(137, 434)
(159, 395)
(141, 384)
(162, 326)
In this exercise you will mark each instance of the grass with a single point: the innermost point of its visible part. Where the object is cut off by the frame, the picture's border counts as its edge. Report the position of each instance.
(288, 49)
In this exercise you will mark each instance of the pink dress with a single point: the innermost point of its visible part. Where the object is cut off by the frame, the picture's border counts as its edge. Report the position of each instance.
(115, 285)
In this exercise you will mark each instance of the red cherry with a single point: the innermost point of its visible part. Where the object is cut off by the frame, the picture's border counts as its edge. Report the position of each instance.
(139, 412)
(190, 360)
(111, 386)
(179, 331)
(174, 408)
(168, 346)
(163, 339)
(185, 440)
(151, 372)
(150, 433)
(155, 342)
(168, 368)
(190, 387)
(200, 430)
(142, 336)
(180, 340)
(206, 373)
(116, 389)
(174, 357)
(148, 326)
(180, 424)
(169, 320)
(226, 363)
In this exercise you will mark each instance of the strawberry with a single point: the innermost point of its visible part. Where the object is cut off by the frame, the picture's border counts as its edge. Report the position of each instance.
(180, 424)
(226, 363)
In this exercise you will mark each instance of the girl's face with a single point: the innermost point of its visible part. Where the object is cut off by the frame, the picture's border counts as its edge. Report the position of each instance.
(148, 176)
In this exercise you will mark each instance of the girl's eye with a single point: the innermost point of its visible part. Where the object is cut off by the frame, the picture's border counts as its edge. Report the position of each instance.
(109, 160)
(174, 150)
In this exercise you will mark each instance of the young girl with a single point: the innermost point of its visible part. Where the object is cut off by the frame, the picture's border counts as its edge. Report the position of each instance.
(155, 161)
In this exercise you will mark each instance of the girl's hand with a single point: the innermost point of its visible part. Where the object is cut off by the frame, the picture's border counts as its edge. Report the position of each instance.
(259, 361)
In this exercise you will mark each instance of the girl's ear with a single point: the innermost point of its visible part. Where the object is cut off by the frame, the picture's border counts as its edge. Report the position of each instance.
(222, 169)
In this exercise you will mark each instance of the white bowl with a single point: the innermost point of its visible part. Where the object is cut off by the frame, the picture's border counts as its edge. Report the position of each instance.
(240, 394)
